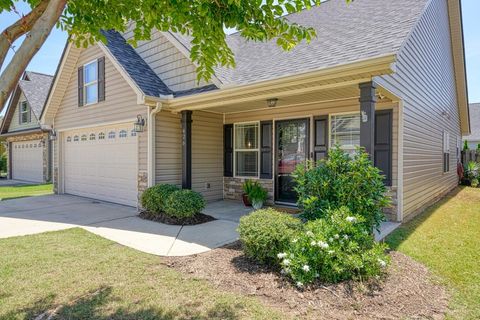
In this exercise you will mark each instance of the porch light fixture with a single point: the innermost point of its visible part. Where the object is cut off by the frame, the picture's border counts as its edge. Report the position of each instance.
(272, 102)
(53, 135)
(139, 125)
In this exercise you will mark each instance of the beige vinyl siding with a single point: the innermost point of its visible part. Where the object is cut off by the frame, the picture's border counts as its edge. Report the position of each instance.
(15, 122)
(120, 105)
(120, 99)
(168, 148)
(425, 81)
(171, 65)
(207, 154)
(295, 112)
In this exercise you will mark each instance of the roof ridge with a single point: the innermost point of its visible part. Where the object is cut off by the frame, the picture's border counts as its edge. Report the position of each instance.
(40, 73)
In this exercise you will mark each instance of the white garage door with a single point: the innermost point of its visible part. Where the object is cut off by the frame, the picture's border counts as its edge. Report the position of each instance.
(101, 163)
(27, 161)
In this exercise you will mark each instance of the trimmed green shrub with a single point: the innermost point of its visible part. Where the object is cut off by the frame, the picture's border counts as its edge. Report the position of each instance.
(153, 199)
(266, 232)
(342, 180)
(3, 163)
(333, 249)
(184, 204)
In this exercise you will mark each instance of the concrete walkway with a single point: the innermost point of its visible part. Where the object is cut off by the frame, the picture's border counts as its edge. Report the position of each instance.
(118, 223)
(14, 183)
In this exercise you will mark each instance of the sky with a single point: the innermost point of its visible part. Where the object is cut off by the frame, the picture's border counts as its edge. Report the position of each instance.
(46, 60)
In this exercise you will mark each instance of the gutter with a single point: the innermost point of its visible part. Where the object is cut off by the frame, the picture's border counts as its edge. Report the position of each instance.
(151, 143)
(23, 132)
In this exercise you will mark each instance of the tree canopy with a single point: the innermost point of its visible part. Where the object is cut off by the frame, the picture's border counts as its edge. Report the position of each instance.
(205, 21)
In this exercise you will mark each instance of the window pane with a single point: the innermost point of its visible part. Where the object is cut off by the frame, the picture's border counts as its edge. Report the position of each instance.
(91, 93)
(247, 163)
(345, 131)
(246, 136)
(90, 72)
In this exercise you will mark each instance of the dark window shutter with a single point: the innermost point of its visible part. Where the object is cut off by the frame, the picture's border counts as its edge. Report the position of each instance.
(320, 147)
(101, 79)
(383, 144)
(80, 86)
(228, 150)
(266, 141)
(29, 113)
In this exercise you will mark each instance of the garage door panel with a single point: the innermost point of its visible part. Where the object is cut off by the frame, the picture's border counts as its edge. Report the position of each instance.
(27, 161)
(104, 169)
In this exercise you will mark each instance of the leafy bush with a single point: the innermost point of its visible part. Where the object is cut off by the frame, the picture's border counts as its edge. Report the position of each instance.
(153, 199)
(342, 180)
(3, 163)
(266, 232)
(471, 170)
(333, 249)
(184, 204)
(465, 145)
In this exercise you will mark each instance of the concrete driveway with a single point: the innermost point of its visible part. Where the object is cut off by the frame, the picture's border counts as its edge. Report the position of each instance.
(118, 223)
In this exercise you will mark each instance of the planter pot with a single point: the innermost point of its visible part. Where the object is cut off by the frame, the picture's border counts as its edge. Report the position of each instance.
(246, 202)
(257, 205)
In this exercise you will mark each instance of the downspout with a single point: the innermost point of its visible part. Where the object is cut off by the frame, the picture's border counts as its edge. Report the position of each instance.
(151, 143)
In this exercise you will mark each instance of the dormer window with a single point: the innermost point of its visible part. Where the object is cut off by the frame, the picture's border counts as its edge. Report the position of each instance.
(91, 82)
(24, 112)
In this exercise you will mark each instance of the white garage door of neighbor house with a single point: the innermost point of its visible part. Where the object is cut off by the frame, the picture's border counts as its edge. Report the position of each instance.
(101, 163)
(27, 161)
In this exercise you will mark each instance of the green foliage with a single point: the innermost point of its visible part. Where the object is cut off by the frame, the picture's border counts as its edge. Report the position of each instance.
(204, 21)
(471, 170)
(257, 193)
(248, 185)
(474, 182)
(3, 163)
(153, 199)
(342, 180)
(478, 147)
(465, 145)
(266, 232)
(333, 249)
(184, 204)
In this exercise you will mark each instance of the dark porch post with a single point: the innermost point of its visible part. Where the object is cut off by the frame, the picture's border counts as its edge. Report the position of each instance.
(187, 149)
(367, 117)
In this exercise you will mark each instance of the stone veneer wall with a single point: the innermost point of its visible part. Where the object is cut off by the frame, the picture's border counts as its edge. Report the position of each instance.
(233, 188)
(35, 136)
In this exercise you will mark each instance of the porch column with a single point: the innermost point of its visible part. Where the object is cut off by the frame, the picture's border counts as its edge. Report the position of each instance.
(367, 117)
(187, 149)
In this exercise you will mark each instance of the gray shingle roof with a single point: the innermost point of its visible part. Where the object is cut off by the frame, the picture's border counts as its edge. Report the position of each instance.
(35, 87)
(135, 66)
(345, 33)
(474, 122)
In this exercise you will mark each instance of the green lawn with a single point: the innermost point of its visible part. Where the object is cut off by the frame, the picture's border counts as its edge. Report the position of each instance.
(25, 191)
(83, 276)
(446, 239)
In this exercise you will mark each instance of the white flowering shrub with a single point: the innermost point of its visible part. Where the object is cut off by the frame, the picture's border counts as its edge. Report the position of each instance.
(332, 249)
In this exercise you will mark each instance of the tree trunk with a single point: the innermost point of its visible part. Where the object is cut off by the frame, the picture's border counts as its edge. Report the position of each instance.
(30, 46)
(19, 28)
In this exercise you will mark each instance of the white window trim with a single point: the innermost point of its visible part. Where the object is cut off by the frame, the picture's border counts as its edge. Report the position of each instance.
(251, 150)
(85, 84)
(330, 115)
(24, 102)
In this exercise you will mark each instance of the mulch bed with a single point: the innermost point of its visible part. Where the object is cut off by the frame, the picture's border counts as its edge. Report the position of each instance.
(196, 219)
(407, 291)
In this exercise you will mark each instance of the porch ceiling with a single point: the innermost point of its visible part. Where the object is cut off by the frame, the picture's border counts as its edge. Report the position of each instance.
(339, 83)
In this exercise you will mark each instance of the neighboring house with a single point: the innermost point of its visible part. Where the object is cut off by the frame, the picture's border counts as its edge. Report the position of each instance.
(473, 139)
(28, 144)
(384, 74)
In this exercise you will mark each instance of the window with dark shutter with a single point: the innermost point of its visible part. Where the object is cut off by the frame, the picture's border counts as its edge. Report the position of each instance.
(80, 86)
(320, 147)
(266, 140)
(101, 79)
(228, 150)
(383, 144)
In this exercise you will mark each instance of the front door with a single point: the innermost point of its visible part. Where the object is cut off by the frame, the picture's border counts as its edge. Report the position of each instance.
(291, 138)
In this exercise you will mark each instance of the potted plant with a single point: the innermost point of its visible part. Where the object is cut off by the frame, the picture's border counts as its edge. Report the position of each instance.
(257, 196)
(247, 187)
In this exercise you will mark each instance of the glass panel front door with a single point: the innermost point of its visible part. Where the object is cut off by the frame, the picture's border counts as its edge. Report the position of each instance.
(291, 149)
